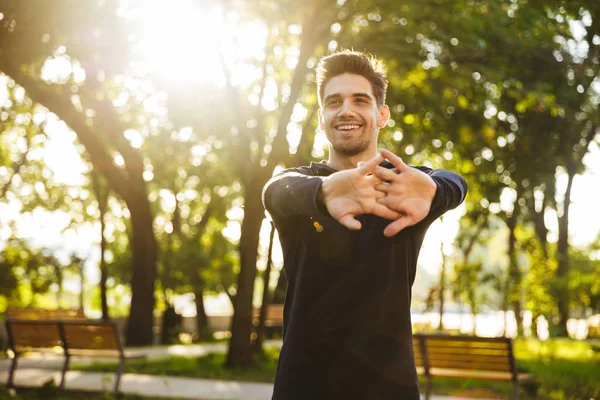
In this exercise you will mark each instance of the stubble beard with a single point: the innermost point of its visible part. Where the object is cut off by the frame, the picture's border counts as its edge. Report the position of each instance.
(353, 147)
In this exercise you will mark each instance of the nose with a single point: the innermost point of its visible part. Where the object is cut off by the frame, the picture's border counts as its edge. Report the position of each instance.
(346, 108)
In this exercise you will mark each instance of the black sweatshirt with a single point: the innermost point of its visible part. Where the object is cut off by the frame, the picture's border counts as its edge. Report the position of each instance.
(347, 328)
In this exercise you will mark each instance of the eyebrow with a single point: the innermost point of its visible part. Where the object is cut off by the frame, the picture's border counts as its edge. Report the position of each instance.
(337, 95)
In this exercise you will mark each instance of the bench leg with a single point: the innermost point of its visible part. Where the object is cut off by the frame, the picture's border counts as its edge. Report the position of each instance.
(64, 372)
(11, 373)
(119, 373)
(515, 393)
(428, 388)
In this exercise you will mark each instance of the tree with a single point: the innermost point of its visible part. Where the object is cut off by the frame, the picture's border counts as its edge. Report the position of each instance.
(35, 34)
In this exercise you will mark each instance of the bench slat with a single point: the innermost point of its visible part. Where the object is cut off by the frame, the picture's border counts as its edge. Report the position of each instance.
(274, 316)
(453, 354)
(36, 313)
(468, 357)
(470, 365)
(447, 344)
(91, 337)
(25, 335)
(461, 338)
(490, 375)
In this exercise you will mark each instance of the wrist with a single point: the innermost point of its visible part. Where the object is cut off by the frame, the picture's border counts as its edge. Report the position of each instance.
(434, 187)
(321, 196)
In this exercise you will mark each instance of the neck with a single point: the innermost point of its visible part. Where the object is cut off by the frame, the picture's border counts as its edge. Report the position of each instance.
(340, 162)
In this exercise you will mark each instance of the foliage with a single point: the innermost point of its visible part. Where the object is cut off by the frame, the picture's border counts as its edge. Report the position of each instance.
(505, 93)
(33, 273)
(584, 285)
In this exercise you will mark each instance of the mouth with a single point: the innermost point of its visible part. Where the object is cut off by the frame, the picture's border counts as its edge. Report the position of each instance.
(347, 127)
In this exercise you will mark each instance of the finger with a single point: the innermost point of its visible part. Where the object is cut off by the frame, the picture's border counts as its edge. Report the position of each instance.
(397, 226)
(395, 160)
(383, 188)
(384, 201)
(382, 211)
(360, 164)
(379, 195)
(369, 166)
(385, 174)
(350, 222)
(373, 180)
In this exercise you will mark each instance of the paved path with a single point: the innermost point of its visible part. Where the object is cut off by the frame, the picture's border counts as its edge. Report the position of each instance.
(35, 371)
(146, 385)
(154, 386)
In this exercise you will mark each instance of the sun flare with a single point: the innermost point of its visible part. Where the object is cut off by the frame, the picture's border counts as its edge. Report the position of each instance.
(190, 43)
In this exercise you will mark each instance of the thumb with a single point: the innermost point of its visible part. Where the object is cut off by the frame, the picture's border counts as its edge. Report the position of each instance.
(350, 222)
(396, 226)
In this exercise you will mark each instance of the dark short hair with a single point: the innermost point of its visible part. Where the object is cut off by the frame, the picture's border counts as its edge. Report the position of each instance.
(352, 62)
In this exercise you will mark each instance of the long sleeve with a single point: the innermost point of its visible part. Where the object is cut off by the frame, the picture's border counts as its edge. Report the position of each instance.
(451, 191)
(293, 193)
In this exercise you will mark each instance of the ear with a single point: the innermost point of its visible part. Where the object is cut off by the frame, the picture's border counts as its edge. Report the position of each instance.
(321, 122)
(383, 115)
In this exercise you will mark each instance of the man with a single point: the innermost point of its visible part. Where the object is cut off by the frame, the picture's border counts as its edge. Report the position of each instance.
(351, 229)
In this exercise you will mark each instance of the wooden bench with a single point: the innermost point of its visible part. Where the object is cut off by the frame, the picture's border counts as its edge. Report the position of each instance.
(273, 320)
(74, 337)
(38, 313)
(274, 315)
(467, 357)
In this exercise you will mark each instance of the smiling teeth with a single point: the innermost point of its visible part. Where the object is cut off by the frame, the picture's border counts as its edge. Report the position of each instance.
(347, 127)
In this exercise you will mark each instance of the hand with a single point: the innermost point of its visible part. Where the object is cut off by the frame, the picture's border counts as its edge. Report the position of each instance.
(351, 192)
(408, 192)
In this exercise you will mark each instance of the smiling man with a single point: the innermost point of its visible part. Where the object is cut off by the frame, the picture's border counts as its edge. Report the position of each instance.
(351, 228)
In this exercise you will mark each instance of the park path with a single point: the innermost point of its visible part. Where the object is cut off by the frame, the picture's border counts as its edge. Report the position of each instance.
(35, 371)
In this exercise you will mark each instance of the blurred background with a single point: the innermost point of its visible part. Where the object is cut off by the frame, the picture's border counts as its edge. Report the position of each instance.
(136, 137)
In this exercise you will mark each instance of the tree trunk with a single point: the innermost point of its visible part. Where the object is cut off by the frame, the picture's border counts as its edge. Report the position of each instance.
(201, 318)
(279, 292)
(474, 314)
(59, 292)
(144, 251)
(442, 288)
(240, 347)
(514, 285)
(562, 255)
(514, 274)
(260, 330)
(103, 271)
(102, 198)
(541, 233)
(505, 296)
(82, 285)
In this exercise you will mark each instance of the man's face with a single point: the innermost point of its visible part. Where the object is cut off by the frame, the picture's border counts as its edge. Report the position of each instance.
(350, 116)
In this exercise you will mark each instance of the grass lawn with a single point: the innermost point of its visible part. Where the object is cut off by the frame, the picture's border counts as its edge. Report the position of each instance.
(209, 366)
(564, 369)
